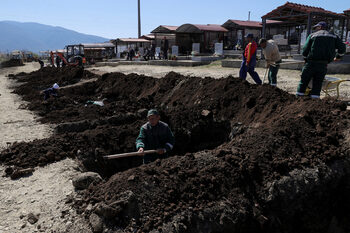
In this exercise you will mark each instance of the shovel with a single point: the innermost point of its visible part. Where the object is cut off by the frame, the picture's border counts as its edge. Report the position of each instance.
(124, 155)
(265, 75)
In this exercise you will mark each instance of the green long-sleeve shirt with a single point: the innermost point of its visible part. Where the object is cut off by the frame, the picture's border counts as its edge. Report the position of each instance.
(155, 137)
(321, 47)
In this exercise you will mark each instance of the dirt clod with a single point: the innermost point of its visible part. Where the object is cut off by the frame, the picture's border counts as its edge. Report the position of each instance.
(32, 218)
(84, 180)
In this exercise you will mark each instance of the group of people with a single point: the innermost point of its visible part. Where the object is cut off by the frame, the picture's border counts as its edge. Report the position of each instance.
(321, 48)
(149, 53)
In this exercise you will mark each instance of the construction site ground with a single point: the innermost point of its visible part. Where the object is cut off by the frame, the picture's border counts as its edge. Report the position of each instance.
(287, 79)
(233, 174)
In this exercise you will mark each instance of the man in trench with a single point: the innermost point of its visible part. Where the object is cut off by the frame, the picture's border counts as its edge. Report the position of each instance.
(155, 135)
(273, 59)
(319, 50)
(52, 91)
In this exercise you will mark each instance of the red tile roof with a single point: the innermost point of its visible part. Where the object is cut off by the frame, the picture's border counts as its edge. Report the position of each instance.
(210, 27)
(133, 40)
(200, 28)
(148, 36)
(246, 23)
(171, 28)
(272, 21)
(256, 24)
(99, 45)
(301, 8)
(165, 29)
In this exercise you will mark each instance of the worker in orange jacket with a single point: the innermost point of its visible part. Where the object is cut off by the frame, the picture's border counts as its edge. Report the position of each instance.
(249, 60)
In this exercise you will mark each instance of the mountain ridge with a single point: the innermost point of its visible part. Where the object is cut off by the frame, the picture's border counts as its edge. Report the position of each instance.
(37, 37)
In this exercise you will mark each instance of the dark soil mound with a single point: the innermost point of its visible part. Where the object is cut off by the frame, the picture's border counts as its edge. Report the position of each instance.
(32, 85)
(11, 63)
(285, 173)
(248, 158)
(44, 78)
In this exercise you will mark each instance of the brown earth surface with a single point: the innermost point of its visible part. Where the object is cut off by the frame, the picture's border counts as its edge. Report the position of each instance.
(11, 63)
(247, 158)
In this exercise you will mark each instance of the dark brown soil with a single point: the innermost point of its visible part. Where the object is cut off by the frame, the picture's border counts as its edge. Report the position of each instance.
(11, 63)
(247, 158)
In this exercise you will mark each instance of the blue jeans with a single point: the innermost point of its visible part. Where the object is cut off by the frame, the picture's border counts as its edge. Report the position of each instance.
(249, 69)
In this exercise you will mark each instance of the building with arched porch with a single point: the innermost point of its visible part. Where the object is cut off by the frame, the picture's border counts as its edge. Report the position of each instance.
(205, 35)
(237, 29)
(165, 31)
(297, 21)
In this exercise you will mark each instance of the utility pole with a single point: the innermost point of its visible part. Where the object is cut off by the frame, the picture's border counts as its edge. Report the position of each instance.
(248, 15)
(139, 14)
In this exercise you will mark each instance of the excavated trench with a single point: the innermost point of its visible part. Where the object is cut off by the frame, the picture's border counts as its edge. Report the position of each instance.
(247, 158)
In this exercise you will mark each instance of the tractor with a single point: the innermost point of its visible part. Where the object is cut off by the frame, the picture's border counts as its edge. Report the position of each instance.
(73, 55)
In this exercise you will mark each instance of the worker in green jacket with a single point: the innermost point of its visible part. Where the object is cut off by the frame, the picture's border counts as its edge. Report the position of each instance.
(319, 50)
(155, 135)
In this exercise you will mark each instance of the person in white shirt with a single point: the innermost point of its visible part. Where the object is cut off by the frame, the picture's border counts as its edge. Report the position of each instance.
(273, 59)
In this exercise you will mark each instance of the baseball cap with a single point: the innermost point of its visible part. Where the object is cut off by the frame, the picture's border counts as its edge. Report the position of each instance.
(321, 24)
(249, 35)
(152, 112)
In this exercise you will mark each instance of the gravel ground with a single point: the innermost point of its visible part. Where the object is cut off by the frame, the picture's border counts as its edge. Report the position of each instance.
(16, 122)
(40, 197)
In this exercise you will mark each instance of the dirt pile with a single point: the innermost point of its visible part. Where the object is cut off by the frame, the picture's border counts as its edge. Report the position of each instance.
(248, 158)
(284, 172)
(114, 127)
(41, 79)
(11, 63)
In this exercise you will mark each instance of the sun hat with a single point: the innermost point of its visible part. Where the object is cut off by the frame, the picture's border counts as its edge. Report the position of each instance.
(55, 86)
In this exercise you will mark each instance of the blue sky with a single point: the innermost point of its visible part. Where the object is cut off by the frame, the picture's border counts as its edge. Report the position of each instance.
(118, 18)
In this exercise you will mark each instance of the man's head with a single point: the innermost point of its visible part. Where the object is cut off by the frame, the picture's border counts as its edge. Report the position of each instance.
(249, 37)
(320, 26)
(153, 117)
(262, 43)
